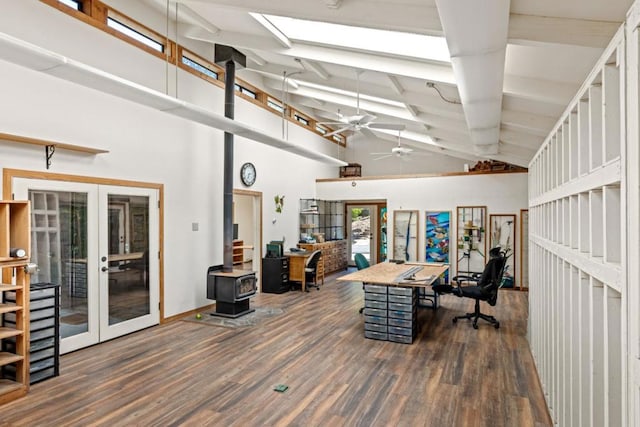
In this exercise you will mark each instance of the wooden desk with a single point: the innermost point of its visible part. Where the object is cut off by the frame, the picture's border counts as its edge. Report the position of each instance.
(125, 257)
(390, 274)
(297, 262)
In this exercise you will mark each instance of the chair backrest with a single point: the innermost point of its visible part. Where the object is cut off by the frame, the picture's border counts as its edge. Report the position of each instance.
(361, 261)
(313, 259)
(492, 277)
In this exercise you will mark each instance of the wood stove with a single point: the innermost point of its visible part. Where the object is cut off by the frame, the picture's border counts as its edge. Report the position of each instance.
(231, 290)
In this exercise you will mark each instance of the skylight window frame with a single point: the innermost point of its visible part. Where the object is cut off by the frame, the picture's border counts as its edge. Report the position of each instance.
(363, 39)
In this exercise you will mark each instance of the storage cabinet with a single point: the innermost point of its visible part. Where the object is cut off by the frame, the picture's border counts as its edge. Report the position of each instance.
(44, 332)
(14, 234)
(390, 313)
(334, 255)
(275, 275)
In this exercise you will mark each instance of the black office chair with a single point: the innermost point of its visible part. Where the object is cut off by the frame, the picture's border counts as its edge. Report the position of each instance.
(311, 270)
(485, 288)
(361, 264)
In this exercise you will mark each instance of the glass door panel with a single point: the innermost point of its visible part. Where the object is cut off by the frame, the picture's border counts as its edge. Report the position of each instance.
(128, 237)
(61, 236)
(361, 224)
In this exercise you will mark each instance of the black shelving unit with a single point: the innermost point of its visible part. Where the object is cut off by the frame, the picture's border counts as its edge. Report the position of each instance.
(325, 217)
(275, 275)
(44, 326)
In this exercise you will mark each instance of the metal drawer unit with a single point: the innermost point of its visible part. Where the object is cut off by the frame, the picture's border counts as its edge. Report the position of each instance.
(375, 312)
(402, 311)
(44, 337)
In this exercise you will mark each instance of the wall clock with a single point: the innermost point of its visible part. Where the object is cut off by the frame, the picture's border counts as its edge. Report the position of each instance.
(248, 174)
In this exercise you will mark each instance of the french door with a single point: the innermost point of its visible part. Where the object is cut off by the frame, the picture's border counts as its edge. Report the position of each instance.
(100, 243)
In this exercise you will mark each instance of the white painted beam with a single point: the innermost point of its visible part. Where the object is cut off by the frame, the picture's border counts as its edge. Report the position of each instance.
(529, 29)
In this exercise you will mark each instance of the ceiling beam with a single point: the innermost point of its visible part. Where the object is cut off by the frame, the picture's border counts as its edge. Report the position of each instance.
(530, 29)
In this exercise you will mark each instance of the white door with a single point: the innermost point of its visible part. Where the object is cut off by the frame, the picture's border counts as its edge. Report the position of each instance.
(95, 241)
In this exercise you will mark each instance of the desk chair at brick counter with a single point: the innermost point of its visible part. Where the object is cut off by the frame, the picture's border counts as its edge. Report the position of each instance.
(485, 287)
(361, 264)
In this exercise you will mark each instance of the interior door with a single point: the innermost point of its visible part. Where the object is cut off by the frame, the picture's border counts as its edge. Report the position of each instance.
(106, 287)
(361, 229)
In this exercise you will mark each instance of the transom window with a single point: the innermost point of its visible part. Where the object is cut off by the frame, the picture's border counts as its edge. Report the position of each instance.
(71, 3)
(199, 67)
(246, 91)
(134, 34)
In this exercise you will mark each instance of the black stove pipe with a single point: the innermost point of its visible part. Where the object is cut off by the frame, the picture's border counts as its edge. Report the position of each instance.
(229, 57)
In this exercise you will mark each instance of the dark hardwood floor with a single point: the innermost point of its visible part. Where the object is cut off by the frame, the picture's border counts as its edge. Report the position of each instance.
(193, 374)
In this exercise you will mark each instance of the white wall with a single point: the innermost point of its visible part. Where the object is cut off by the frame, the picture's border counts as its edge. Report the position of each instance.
(148, 145)
(500, 193)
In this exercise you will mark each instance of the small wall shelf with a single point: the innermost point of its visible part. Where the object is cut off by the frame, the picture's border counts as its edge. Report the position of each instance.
(50, 146)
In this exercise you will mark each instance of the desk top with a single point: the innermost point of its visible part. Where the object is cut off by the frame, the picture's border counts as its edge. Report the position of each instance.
(125, 257)
(389, 273)
(298, 254)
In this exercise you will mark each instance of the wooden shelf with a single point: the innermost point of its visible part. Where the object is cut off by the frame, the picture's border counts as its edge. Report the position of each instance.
(6, 137)
(9, 308)
(7, 358)
(9, 332)
(15, 232)
(8, 386)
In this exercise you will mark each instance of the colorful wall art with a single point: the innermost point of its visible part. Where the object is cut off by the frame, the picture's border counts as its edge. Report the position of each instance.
(437, 236)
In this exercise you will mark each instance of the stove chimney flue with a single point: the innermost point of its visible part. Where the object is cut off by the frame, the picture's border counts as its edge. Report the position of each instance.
(230, 58)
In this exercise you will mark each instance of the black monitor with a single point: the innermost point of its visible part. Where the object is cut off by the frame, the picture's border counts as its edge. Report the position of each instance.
(274, 249)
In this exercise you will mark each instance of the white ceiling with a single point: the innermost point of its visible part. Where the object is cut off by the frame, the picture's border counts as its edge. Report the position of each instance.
(516, 64)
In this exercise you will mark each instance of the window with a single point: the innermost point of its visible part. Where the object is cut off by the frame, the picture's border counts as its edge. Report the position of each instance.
(321, 129)
(301, 119)
(74, 4)
(135, 34)
(276, 105)
(246, 91)
(199, 67)
(338, 138)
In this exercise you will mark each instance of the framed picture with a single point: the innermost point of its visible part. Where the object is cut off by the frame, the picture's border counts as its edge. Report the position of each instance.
(437, 232)
(502, 232)
(471, 242)
(437, 226)
(524, 249)
(405, 235)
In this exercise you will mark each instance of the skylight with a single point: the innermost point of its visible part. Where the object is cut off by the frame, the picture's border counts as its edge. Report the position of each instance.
(372, 40)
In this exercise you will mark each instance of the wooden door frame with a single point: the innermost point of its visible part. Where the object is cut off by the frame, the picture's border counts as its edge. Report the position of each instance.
(7, 193)
(257, 195)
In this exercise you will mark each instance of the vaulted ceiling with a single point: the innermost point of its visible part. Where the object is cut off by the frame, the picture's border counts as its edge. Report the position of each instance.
(513, 68)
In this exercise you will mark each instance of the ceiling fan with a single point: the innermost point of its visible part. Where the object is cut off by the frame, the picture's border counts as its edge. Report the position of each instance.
(361, 120)
(397, 151)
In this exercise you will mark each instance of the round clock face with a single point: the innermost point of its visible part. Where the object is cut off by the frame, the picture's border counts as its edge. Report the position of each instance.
(248, 174)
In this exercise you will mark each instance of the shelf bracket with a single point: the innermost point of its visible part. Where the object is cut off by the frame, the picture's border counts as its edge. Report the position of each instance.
(48, 154)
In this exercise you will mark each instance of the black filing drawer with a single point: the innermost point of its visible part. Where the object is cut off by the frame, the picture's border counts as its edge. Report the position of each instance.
(275, 275)
(44, 332)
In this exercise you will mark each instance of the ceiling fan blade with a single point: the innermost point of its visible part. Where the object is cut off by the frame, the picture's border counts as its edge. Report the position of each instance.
(383, 157)
(380, 154)
(390, 126)
(368, 133)
(338, 131)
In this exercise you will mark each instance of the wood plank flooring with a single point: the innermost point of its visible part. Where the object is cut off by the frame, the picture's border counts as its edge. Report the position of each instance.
(192, 374)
